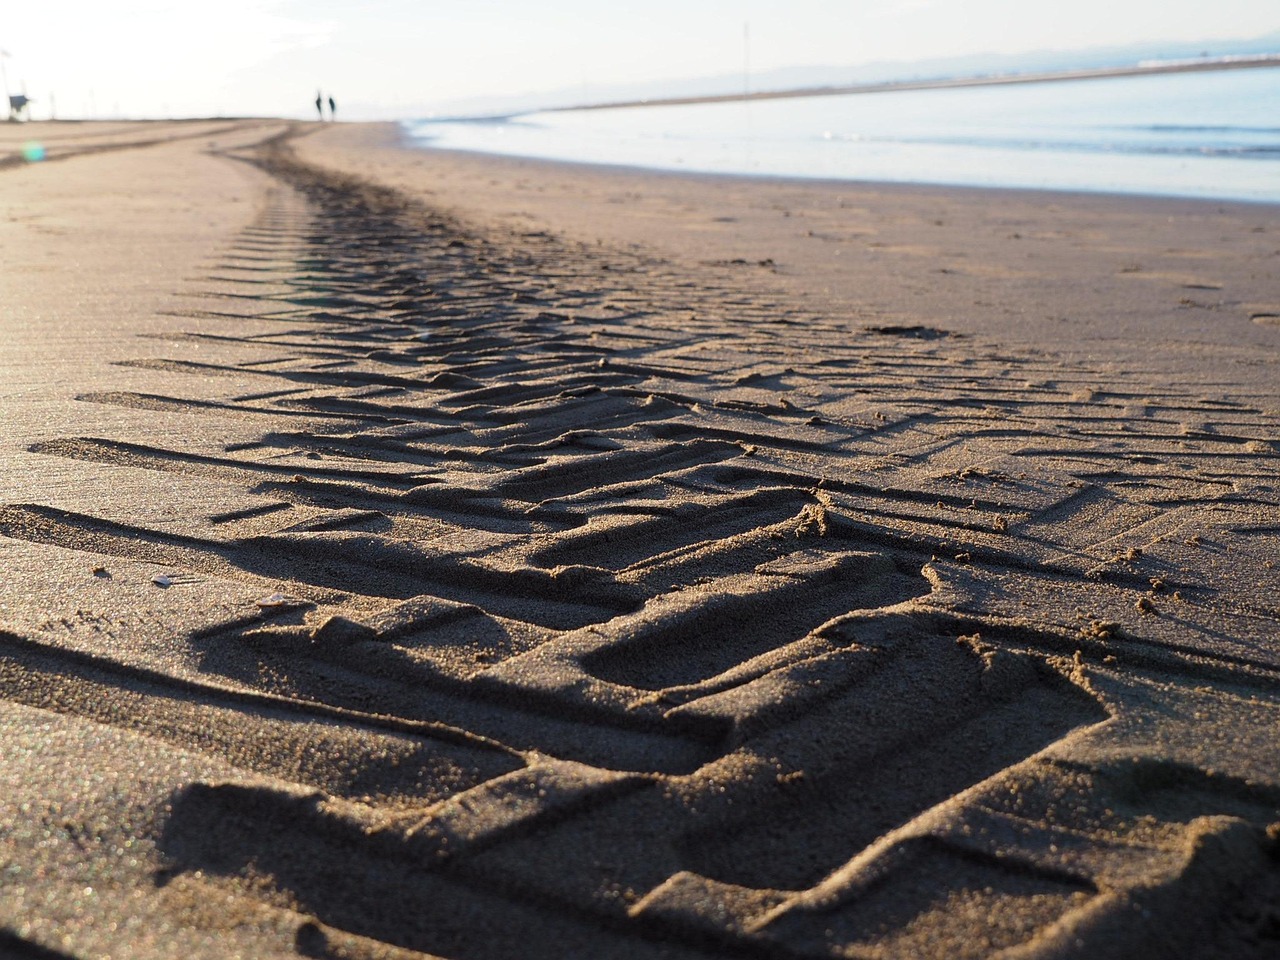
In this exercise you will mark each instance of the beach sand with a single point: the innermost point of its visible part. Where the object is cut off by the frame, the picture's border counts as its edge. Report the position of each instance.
(410, 553)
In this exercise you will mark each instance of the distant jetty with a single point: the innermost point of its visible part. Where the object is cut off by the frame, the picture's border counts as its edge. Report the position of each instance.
(981, 80)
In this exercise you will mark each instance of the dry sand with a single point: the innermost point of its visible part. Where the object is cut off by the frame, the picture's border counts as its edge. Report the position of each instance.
(411, 553)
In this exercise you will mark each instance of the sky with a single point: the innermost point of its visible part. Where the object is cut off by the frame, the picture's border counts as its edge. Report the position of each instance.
(399, 58)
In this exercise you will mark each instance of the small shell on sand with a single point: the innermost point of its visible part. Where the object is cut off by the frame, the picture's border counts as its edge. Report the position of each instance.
(275, 600)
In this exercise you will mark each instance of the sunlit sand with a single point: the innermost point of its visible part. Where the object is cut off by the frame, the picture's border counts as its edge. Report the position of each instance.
(413, 553)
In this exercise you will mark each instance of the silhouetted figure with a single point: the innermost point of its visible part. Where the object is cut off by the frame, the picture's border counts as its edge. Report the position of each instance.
(320, 105)
(333, 109)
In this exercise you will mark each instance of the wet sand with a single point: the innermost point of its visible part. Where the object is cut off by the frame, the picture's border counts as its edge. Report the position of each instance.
(411, 553)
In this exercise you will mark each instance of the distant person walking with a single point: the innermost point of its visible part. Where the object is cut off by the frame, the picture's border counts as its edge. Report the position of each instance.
(320, 105)
(333, 109)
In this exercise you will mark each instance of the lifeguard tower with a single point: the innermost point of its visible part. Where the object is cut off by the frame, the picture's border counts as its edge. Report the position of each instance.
(18, 107)
(17, 102)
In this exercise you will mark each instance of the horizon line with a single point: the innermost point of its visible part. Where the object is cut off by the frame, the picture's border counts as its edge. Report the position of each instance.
(1236, 62)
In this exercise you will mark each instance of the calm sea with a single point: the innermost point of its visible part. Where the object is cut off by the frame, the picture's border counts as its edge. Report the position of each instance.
(1213, 134)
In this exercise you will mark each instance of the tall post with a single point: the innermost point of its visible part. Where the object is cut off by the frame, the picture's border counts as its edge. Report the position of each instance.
(746, 57)
(4, 75)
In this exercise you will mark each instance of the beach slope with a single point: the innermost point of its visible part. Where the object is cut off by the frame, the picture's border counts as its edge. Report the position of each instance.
(419, 554)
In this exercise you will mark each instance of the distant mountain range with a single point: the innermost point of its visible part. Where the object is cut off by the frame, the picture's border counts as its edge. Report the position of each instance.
(788, 78)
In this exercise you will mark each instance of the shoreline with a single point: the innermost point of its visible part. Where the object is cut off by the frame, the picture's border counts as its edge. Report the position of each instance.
(421, 555)
(835, 264)
(407, 143)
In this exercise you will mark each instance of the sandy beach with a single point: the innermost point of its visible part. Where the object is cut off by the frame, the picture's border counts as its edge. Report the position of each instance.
(409, 553)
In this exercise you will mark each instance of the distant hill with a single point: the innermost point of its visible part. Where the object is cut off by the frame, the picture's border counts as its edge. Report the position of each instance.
(787, 78)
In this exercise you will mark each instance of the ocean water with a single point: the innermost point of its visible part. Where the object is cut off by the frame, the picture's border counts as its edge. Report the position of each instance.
(1213, 134)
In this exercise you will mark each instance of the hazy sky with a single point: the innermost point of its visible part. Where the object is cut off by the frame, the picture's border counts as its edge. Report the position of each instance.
(388, 57)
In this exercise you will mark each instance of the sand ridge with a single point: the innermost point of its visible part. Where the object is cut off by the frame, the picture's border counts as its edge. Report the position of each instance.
(529, 593)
